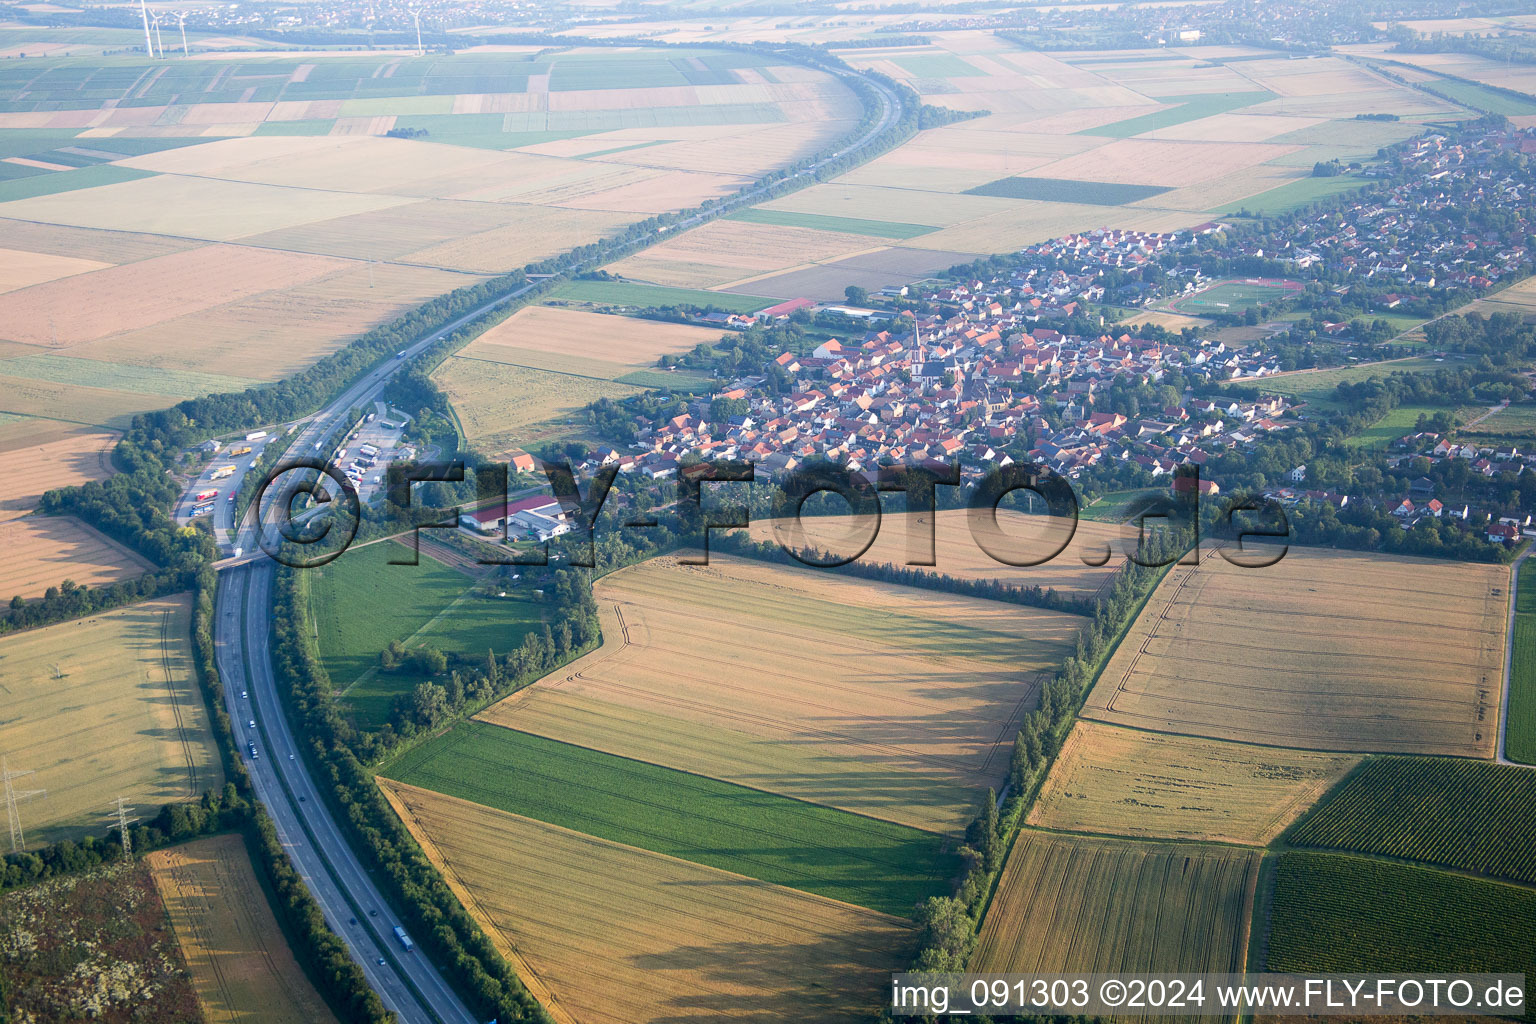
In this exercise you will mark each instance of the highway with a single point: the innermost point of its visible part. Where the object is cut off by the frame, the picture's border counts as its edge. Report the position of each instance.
(407, 982)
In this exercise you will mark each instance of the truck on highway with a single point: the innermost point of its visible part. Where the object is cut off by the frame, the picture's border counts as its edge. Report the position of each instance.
(203, 496)
(369, 450)
(222, 472)
(405, 940)
(256, 435)
(244, 449)
(201, 510)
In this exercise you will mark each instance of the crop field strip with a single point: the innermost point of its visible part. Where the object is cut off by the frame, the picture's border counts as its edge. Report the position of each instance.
(606, 932)
(854, 859)
(1520, 734)
(1130, 782)
(1335, 913)
(1457, 814)
(1087, 904)
(237, 954)
(1084, 569)
(43, 551)
(44, 454)
(915, 727)
(123, 716)
(1317, 615)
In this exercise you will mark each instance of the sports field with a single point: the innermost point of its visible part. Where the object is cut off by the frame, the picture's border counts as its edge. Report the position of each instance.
(1148, 784)
(1335, 913)
(1084, 904)
(101, 708)
(1235, 296)
(1326, 650)
(241, 965)
(430, 605)
(832, 853)
(881, 699)
(602, 931)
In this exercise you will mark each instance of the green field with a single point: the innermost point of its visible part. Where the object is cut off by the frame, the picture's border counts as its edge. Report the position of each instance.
(805, 846)
(1341, 914)
(1316, 387)
(1186, 108)
(1294, 195)
(1232, 297)
(1482, 98)
(360, 603)
(122, 377)
(938, 65)
(1520, 730)
(1112, 507)
(1067, 190)
(1395, 424)
(1515, 421)
(823, 222)
(67, 181)
(626, 293)
(1470, 815)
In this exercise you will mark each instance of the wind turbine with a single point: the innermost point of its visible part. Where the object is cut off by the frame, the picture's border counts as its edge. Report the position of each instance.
(159, 42)
(149, 44)
(182, 17)
(416, 16)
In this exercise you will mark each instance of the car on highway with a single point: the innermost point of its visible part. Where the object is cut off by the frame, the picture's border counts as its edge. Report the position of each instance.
(245, 695)
(381, 961)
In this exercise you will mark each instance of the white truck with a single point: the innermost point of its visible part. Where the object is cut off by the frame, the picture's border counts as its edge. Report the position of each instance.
(222, 472)
(256, 435)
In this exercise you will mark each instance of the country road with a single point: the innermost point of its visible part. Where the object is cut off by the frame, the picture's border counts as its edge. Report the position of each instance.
(408, 982)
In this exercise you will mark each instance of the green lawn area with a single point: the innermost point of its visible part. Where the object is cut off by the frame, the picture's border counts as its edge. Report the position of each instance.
(1067, 190)
(360, 603)
(1186, 108)
(1342, 914)
(823, 222)
(805, 846)
(1520, 732)
(1392, 426)
(1111, 507)
(627, 293)
(1294, 195)
(1316, 386)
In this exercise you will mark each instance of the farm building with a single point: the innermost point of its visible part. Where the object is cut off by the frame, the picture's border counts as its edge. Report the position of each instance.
(541, 516)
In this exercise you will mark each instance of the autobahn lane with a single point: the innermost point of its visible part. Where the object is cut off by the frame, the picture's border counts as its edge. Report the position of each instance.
(406, 982)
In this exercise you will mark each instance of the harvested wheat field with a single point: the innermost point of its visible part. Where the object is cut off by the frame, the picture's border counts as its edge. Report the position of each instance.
(1327, 650)
(620, 344)
(1160, 162)
(142, 294)
(50, 454)
(277, 333)
(111, 247)
(20, 269)
(44, 551)
(1083, 904)
(101, 708)
(884, 700)
(535, 233)
(1084, 569)
(1131, 782)
(604, 932)
(191, 207)
(241, 965)
(502, 406)
(724, 251)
